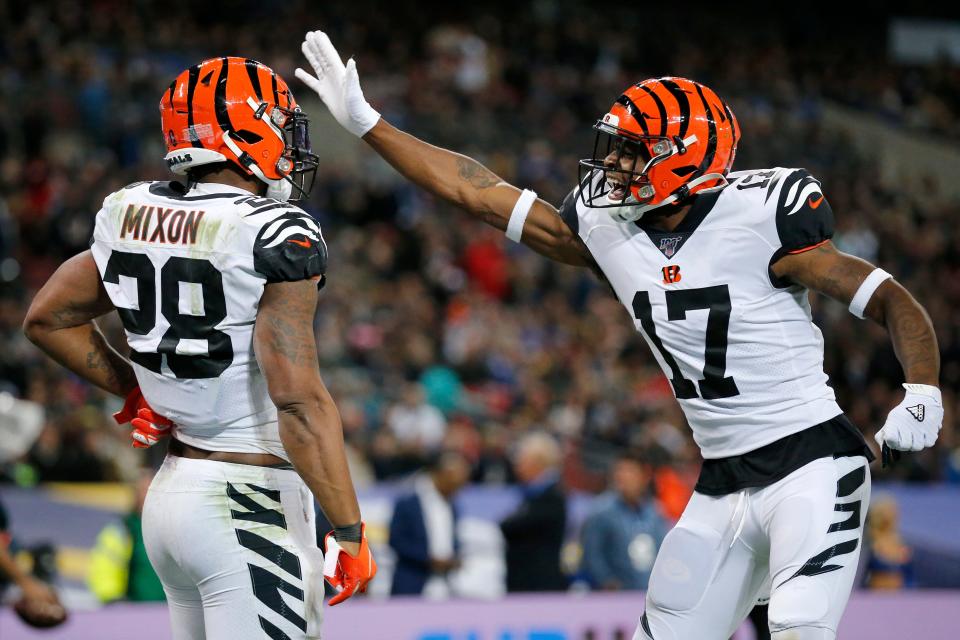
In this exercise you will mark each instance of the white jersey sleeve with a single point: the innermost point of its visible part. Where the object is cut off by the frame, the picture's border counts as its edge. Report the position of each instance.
(739, 347)
(185, 270)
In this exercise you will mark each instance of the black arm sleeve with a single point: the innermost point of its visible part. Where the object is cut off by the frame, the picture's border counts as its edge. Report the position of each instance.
(568, 213)
(290, 248)
(804, 217)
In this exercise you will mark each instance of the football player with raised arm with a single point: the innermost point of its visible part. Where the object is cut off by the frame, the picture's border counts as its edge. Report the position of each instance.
(714, 268)
(215, 280)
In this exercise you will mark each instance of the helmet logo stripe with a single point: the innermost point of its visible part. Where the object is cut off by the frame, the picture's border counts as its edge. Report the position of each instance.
(683, 102)
(192, 76)
(638, 115)
(711, 138)
(661, 108)
(173, 87)
(252, 73)
(734, 131)
(220, 97)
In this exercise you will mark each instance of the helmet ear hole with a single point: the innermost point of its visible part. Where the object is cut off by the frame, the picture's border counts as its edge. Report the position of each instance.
(684, 170)
(250, 137)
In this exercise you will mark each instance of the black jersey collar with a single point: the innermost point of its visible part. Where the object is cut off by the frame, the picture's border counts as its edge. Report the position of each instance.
(669, 242)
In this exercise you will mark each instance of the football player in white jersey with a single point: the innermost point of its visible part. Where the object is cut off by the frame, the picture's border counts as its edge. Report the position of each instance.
(215, 280)
(714, 268)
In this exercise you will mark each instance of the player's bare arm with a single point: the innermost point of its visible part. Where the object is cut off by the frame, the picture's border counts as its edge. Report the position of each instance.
(451, 176)
(468, 184)
(915, 423)
(310, 427)
(839, 275)
(60, 321)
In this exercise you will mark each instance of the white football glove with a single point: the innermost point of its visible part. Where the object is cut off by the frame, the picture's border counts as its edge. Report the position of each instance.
(914, 423)
(337, 85)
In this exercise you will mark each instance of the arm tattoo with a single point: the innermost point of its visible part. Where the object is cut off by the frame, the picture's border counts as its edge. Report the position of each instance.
(476, 174)
(838, 284)
(291, 330)
(101, 357)
(70, 314)
(838, 276)
(911, 331)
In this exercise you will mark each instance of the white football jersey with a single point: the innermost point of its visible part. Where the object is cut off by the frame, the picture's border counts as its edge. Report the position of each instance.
(739, 348)
(185, 270)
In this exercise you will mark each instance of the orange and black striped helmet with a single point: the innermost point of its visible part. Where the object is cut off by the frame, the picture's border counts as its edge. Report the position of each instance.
(237, 110)
(663, 140)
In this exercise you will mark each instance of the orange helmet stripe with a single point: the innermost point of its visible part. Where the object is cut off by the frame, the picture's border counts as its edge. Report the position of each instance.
(204, 97)
(273, 84)
(220, 96)
(253, 72)
(661, 108)
(634, 111)
(683, 103)
(193, 75)
(734, 133)
(711, 137)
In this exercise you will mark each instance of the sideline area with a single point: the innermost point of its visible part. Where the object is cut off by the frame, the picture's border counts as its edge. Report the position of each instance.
(930, 615)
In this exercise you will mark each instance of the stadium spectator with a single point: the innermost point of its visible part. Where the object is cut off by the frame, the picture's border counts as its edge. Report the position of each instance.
(623, 533)
(423, 529)
(889, 561)
(418, 427)
(534, 532)
(119, 567)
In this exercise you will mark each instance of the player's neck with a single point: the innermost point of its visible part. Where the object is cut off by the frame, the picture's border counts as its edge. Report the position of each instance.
(233, 178)
(669, 221)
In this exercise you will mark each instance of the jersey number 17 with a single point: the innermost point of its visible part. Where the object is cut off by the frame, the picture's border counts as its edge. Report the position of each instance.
(715, 383)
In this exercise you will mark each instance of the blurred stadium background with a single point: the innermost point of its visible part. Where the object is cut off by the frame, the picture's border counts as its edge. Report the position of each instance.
(436, 334)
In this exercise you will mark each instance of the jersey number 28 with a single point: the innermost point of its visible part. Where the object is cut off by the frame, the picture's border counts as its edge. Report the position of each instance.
(715, 383)
(183, 326)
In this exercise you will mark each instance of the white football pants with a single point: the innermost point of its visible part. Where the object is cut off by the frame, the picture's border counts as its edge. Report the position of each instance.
(236, 549)
(795, 542)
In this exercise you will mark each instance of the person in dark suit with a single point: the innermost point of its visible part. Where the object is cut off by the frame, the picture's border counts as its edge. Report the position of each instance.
(534, 532)
(423, 529)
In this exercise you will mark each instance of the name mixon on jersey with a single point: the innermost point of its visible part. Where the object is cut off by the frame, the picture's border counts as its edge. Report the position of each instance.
(170, 226)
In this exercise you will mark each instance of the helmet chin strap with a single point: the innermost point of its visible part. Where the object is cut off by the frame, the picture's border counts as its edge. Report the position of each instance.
(277, 189)
(632, 213)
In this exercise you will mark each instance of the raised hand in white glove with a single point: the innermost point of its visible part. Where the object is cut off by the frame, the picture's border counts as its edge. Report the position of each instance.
(914, 423)
(337, 85)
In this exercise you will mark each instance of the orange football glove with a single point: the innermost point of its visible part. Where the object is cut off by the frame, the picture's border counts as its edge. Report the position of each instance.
(346, 573)
(149, 427)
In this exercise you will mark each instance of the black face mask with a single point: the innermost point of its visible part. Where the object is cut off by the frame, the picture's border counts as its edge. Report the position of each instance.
(619, 144)
(296, 134)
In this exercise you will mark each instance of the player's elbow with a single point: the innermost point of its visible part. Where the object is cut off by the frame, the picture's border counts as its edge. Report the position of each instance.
(36, 324)
(892, 301)
(306, 411)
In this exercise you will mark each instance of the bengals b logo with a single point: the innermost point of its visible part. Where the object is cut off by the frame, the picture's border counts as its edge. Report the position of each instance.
(671, 274)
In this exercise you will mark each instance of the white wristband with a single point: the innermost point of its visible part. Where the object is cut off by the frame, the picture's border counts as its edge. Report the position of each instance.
(519, 214)
(865, 292)
(924, 390)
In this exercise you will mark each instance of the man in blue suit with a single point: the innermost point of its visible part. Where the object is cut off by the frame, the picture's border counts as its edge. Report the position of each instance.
(623, 532)
(423, 529)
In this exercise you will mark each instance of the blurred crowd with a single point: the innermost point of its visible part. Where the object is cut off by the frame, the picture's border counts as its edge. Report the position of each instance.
(434, 332)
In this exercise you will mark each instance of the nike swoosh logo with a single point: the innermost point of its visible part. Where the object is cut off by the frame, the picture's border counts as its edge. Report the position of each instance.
(815, 203)
(303, 243)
